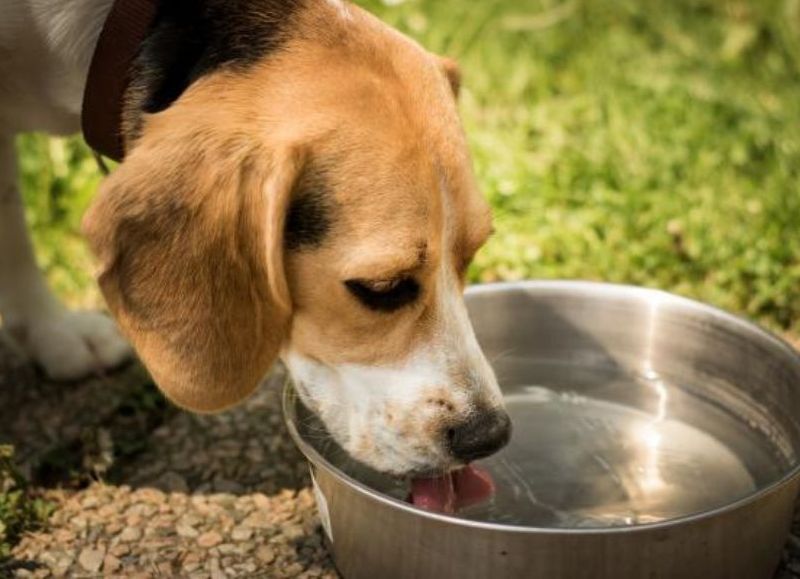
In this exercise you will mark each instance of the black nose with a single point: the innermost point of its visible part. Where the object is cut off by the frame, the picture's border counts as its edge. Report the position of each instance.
(484, 433)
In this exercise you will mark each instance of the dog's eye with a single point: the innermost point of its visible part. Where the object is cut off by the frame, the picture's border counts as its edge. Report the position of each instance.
(384, 295)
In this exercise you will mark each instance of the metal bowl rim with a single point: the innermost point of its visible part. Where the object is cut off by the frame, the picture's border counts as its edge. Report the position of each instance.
(318, 460)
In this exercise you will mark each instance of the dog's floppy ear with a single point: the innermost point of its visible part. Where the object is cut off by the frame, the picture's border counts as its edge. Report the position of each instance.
(189, 234)
(453, 73)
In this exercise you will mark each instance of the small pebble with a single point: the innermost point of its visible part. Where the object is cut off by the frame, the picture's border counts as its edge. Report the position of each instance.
(215, 569)
(111, 564)
(130, 534)
(91, 559)
(209, 539)
(265, 554)
(241, 534)
(293, 570)
(186, 531)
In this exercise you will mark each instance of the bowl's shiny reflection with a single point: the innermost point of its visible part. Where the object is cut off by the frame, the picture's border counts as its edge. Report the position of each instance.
(580, 461)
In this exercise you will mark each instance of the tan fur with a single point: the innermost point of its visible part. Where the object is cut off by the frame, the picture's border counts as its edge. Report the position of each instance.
(189, 228)
(189, 235)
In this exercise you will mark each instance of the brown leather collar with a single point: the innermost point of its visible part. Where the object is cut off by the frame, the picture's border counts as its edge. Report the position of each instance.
(123, 32)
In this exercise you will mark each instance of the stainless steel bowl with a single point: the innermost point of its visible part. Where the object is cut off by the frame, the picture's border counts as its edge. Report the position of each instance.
(654, 437)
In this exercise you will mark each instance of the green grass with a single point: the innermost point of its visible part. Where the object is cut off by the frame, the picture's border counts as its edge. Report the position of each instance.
(20, 509)
(646, 142)
(59, 177)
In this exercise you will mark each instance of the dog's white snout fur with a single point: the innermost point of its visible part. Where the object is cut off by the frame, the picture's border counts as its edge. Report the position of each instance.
(393, 417)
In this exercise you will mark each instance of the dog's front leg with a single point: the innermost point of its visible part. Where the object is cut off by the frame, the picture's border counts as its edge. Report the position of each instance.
(68, 345)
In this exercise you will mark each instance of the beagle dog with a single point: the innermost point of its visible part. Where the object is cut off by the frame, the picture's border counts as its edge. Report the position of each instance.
(296, 185)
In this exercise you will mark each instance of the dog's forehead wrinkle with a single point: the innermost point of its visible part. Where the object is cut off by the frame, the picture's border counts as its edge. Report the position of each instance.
(378, 260)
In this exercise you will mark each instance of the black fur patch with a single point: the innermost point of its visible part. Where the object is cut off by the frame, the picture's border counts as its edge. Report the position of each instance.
(191, 38)
(310, 213)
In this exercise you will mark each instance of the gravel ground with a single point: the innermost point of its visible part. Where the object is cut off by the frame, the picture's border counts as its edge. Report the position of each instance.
(201, 496)
(144, 532)
(205, 496)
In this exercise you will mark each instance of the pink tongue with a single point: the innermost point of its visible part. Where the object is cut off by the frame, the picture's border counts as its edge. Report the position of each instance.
(453, 491)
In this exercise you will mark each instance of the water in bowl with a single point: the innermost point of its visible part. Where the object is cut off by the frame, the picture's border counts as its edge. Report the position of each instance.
(582, 462)
(603, 448)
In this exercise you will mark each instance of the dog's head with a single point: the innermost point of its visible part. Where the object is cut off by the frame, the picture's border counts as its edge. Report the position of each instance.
(318, 205)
